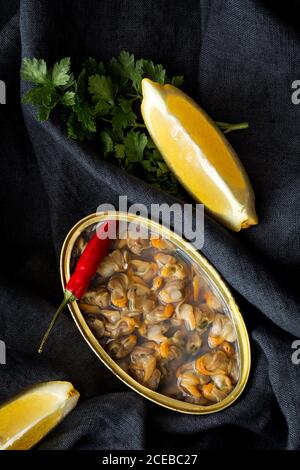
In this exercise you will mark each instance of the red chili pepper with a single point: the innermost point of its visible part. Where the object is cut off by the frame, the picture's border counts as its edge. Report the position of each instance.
(85, 269)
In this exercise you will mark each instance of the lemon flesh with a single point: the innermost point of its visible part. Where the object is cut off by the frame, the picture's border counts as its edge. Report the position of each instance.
(198, 154)
(27, 418)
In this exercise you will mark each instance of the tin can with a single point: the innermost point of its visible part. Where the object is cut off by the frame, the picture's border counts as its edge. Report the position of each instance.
(189, 252)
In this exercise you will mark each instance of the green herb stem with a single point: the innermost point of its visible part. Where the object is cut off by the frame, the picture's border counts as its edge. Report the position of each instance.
(227, 127)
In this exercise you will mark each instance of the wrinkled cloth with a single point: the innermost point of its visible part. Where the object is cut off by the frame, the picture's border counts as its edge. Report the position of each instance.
(239, 58)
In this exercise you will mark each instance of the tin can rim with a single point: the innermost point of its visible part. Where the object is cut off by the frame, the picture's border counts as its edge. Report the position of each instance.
(213, 275)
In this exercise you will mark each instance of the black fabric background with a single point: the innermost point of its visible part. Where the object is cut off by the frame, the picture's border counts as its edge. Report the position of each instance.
(239, 58)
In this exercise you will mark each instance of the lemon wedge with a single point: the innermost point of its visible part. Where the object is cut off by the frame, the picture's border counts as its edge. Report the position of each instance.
(198, 154)
(27, 418)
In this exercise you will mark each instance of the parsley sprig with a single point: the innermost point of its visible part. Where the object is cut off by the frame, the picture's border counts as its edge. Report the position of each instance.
(104, 101)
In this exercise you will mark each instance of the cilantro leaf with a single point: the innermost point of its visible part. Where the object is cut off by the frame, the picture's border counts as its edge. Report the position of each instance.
(107, 143)
(154, 72)
(68, 98)
(92, 67)
(102, 108)
(71, 126)
(116, 72)
(123, 115)
(85, 116)
(120, 151)
(135, 144)
(177, 81)
(126, 61)
(80, 85)
(101, 88)
(131, 69)
(76, 129)
(34, 71)
(61, 72)
(40, 96)
(43, 113)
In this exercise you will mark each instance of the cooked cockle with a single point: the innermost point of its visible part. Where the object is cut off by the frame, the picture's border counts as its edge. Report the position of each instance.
(193, 343)
(145, 269)
(154, 332)
(125, 326)
(233, 369)
(190, 367)
(96, 326)
(79, 246)
(187, 366)
(130, 313)
(151, 345)
(154, 380)
(204, 316)
(212, 363)
(112, 316)
(173, 271)
(176, 322)
(140, 298)
(212, 393)
(124, 363)
(162, 244)
(137, 244)
(120, 348)
(89, 308)
(178, 338)
(162, 259)
(171, 348)
(228, 348)
(185, 312)
(223, 382)
(167, 369)
(172, 292)
(137, 294)
(196, 287)
(149, 305)
(134, 279)
(118, 285)
(113, 263)
(157, 283)
(160, 313)
(142, 363)
(169, 351)
(119, 243)
(190, 383)
(221, 330)
(100, 297)
(212, 301)
(218, 389)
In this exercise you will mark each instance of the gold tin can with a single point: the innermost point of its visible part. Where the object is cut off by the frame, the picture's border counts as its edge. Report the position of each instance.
(214, 277)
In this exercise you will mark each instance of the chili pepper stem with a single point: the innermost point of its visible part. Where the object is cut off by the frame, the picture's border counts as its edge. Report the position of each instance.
(68, 297)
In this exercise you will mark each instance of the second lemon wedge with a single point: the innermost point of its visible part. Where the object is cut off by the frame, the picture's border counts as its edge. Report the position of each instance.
(27, 418)
(198, 154)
